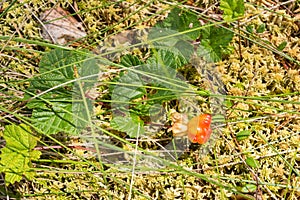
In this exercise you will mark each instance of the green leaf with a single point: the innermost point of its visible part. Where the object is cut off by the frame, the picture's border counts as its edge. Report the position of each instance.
(242, 135)
(261, 28)
(282, 46)
(217, 35)
(186, 50)
(57, 118)
(164, 37)
(249, 28)
(131, 87)
(128, 87)
(130, 60)
(228, 103)
(232, 9)
(82, 111)
(60, 66)
(65, 108)
(47, 99)
(142, 109)
(252, 162)
(56, 67)
(168, 35)
(131, 124)
(178, 48)
(167, 57)
(213, 40)
(181, 20)
(18, 153)
(249, 188)
(209, 52)
(19, 137)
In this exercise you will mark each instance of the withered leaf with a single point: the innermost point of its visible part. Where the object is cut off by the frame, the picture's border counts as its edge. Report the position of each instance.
(60, 27)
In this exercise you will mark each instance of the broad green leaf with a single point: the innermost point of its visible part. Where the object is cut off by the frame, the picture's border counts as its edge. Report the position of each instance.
(252, 162)
(131, 124)
(209, 52)
(56, 67)
(131, 87)
(168, 35)
(178, 46)
(218, 36)
(19, 137)
(81, 115)
(173, 59)
(164, 37)
(186, 49)
(157, 72)
(18, 153)
(128, 87)
(142, 109)
(53, 113)
(232, 9)
(242, 135)
(60, 66)
(57, 118)
(181, 20)
(130, 60)
(214, 39)
(48, 99)
(184, 21)
(65, 108)
(56, 113)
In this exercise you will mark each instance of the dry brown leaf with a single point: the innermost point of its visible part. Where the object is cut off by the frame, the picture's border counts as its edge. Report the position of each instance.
(60, 27)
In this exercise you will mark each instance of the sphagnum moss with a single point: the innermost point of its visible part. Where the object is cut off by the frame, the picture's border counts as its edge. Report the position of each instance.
(260, 73)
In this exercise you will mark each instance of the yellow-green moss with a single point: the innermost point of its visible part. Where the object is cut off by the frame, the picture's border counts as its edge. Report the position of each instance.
(261, 72)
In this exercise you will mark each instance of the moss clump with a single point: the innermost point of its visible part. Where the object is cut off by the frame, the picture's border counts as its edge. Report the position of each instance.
(212, 171)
